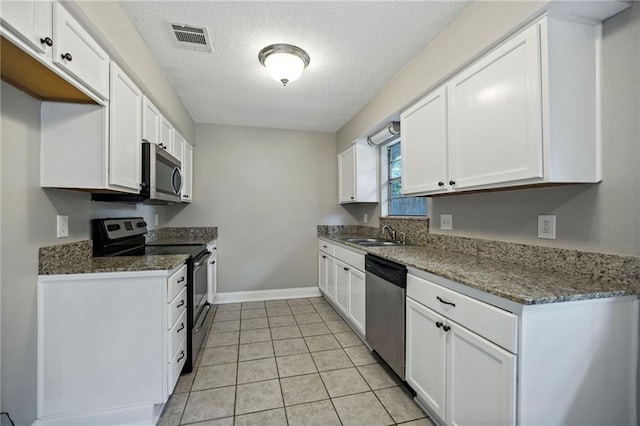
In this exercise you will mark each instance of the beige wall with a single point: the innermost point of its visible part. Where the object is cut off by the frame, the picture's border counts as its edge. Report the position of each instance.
(473, 32)
(604, 217)
(266, 190)
(28, 222)
(126, 46)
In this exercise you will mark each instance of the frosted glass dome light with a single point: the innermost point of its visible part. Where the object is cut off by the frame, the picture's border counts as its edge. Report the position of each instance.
(284, 62)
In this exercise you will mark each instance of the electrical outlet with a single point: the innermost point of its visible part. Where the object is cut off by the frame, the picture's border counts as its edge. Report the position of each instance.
(547, 226)
(63, 226)
(446, 222)
(156, 220)
(366, 218)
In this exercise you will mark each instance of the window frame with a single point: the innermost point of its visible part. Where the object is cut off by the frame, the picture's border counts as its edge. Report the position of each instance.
(386, 180)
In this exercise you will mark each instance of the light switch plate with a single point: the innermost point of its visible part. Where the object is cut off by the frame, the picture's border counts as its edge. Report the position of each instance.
(62, 226)
(446, 222)
(547, 226)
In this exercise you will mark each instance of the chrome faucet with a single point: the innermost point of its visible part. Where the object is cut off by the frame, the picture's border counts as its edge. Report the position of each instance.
(390, 231)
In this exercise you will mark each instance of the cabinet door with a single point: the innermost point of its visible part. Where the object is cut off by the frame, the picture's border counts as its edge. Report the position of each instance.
(495, 116)
(481, 380)
(424, 145)
(30, 20)
(75, 51)
(357, 299)
(347, 176)
(426, 356)
(177, 147)
(124, 131)
(212, 277)
(322, 272)
(342, 286)
(331, 278)
(150, 122)
(166, 135)
(187, 173)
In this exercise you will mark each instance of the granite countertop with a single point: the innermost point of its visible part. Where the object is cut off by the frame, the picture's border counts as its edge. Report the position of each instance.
(93, 265)
(521, 284)
(178, 241)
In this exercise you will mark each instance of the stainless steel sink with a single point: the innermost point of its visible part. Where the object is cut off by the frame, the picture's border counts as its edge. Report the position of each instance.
(366, 240)
(380, 243)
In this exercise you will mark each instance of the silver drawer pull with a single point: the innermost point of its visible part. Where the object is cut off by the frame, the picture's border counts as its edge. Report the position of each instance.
(445, 302)
(180, 304)
(180, 328)
(181, 280)
(181, 356)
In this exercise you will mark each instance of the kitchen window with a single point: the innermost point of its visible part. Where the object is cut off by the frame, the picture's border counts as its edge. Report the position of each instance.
(397, 205)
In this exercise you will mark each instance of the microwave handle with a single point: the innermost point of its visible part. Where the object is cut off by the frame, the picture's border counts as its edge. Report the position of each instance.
(176, 171)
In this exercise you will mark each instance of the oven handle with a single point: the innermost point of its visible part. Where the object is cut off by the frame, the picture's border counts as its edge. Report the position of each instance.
(204, 256)
(204, 317)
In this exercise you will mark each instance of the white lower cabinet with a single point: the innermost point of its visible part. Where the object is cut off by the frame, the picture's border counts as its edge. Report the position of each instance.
(549, 364)
(111, 346)
(462, 377)
(343, 283)
(426, 354)
(357, 299)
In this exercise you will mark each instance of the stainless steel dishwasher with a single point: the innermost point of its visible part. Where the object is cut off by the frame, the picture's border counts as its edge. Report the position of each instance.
(386, 285)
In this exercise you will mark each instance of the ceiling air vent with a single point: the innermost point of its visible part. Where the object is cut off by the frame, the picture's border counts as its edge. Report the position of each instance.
(191, 37)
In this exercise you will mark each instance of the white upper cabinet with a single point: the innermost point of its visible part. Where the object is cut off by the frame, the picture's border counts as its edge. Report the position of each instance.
(512, 118)
(30, 20)
(495, 116)
(178, 145)
(187, 173)
(424, 145)
(151, 118)
(91, 147)
(124, 129)
(358, 174)
(166, 135)
(75, 51)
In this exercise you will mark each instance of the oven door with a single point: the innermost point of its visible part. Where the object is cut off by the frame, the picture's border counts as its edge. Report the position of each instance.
(199, 307)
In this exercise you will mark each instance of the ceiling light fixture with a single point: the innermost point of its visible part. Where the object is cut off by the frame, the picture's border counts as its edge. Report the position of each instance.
(284, 62)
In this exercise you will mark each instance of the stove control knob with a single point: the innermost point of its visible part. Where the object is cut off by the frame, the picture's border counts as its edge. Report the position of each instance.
(113, 227)
(141, 224)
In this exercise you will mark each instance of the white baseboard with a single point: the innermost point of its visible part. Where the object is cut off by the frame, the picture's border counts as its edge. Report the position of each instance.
(257, 295)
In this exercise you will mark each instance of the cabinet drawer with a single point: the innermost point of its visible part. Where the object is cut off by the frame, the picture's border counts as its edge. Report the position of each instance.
(177, 333)
(350, 258)
(326, 247)
(492, 323)
(176, 282)
(177, 307)
(176, 364)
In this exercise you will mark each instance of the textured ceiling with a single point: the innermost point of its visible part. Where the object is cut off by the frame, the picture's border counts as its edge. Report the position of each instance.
(355, 47)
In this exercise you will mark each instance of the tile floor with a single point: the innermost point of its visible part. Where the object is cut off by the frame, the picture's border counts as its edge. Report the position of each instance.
(288, 362)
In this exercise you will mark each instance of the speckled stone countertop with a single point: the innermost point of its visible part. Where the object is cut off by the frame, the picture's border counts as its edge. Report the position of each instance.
(518, 283)
(76, 258)
(181, 235)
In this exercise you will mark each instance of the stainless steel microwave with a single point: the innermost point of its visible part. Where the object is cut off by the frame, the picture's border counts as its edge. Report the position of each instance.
(161, 179)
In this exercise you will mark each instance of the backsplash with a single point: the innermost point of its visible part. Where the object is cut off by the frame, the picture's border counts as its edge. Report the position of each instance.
(77, 252)
(415, 229)
(201, 233)
(598, 266)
